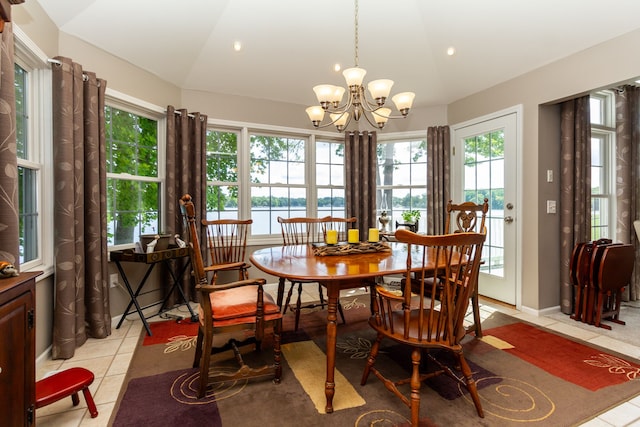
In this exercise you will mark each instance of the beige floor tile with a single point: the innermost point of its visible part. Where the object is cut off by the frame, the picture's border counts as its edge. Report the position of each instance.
(70, 418)
(104, 413)
(47, 367)
(572, 331)
(109, 389)
(97, 365)
(97, 348)
(128, 345)
(618, 346)
(120, 364)
(621, 415)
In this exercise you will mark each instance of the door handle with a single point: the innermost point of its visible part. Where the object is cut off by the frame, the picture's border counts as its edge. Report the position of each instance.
(508, 219)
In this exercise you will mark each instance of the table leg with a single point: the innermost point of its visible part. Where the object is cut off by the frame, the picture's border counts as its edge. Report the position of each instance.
(177, 285)
(333, 292)
(134, 296)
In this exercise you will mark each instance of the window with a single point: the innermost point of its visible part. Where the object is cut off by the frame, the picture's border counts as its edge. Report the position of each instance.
(28, 169)
(278, 181)
(330, 178)
(602, 165)
(133, 182)
(222, 174)
(402, 180)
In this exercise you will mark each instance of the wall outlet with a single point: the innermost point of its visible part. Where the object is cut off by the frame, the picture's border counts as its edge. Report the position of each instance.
(113, 280)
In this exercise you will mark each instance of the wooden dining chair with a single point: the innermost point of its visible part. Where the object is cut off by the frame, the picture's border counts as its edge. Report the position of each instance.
(302, 231)
(463, 218)
(469, 217)
(227, 245)
(425, 324)
(238, 309)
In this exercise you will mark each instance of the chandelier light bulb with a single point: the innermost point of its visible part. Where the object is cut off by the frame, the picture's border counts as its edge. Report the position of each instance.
(354, 76)
(403, 102)
(316, 114)
(380, 89)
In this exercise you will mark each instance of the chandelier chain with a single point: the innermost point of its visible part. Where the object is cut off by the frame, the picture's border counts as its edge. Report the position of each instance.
(356, 32)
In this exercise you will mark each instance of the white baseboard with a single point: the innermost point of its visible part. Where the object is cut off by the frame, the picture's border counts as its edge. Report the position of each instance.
(540, 313)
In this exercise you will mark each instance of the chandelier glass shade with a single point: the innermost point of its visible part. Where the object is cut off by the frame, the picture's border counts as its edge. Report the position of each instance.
(358, 103)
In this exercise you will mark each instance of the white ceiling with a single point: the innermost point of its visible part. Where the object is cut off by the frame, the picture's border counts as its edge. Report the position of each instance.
(292, 45)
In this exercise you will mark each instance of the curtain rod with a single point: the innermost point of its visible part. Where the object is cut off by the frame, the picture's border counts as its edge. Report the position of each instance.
(56, 62)
(191, 116)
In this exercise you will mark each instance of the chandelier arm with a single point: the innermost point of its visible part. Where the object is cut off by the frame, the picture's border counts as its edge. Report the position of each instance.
(366, 116)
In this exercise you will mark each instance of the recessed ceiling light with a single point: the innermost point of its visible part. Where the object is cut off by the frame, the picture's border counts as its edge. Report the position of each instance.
(337, 68)
(237, 46)
(451, 51)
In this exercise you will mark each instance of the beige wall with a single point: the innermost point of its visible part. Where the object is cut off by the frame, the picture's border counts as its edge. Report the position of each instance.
(600, 67)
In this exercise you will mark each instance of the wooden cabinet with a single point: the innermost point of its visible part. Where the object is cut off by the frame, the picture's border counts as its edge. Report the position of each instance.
(17, 350)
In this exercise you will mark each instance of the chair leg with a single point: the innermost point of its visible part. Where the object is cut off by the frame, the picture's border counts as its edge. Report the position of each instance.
(477, 321)
(90, 403)
(470, 382)
(286, 303)
(415, 386)
(344, 322)
(371, 360)
(280, 292)
(207, 342)
(321, 295)
(198, 355)
(277, 330)
(298, 306)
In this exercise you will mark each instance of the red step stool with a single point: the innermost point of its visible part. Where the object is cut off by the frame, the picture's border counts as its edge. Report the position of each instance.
(66, 383)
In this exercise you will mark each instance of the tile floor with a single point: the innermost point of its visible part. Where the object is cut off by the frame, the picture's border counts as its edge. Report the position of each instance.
(109, 360)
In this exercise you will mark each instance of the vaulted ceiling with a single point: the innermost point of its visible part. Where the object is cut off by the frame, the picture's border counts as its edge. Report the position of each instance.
(291, 45)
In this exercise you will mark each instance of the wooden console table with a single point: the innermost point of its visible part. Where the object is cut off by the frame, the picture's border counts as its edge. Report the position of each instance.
(152, 259)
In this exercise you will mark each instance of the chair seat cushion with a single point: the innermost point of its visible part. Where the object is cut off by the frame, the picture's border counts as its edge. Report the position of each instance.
(239, 305)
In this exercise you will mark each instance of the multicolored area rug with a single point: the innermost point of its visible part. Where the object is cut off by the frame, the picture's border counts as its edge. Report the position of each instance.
(515, 368)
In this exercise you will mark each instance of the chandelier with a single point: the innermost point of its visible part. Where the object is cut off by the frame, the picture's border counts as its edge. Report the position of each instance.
(358, 104)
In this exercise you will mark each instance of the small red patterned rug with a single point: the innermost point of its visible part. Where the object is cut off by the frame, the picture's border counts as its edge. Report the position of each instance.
(170, 331)
(585, 366)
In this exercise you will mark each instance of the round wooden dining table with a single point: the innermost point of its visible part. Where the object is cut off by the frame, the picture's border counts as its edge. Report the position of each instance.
(336, 272)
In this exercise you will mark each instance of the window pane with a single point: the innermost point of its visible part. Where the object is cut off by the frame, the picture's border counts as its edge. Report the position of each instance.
(222, 202)
(28, 214)
(222, 156)
(132, 210)
(22, 116)
(132, 143)
(277, 174)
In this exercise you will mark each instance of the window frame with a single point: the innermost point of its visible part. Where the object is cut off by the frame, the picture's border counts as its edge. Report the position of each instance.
(605, 132)
(380, 188)
(115, 99)
(39, 142)
(307, 185)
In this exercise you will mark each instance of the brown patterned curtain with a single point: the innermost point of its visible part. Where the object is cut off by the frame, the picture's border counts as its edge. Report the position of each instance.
(627, 179)
(80, 212)
(9, 231)
(575, 186)
(438, 177)
(186, 169)
(360, 184)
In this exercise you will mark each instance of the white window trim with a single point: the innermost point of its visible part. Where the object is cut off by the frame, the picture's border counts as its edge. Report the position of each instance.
(34, 60)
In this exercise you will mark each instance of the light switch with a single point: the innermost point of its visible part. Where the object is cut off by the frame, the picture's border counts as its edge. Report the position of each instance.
(549, 175)
(551, 206)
